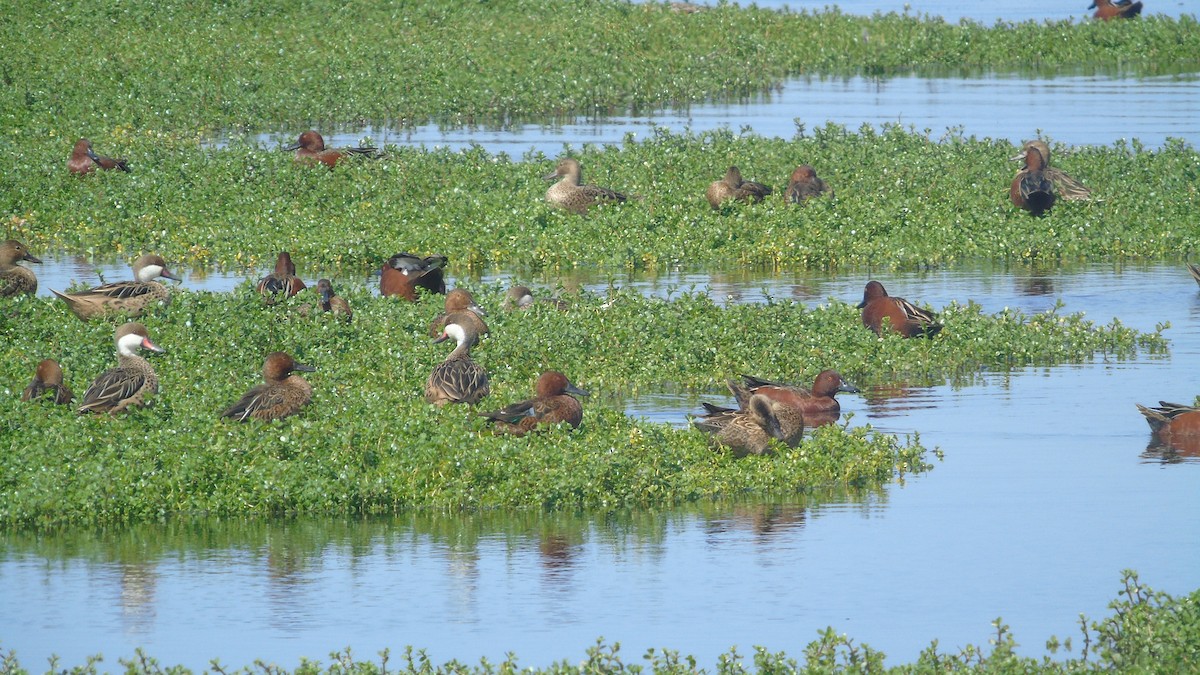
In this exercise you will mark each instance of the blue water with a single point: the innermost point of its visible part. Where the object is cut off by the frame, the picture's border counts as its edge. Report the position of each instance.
(1045, 493)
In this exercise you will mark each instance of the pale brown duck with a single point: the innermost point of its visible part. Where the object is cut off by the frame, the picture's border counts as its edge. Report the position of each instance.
(126, 386)
(732, 186)
(745, 432)
(331, 302)
(48, 378)
(15, 279)
(131, 298)
(551, 404)
(281, 394)
(1065, 186)
(572, 194)
(458, 379)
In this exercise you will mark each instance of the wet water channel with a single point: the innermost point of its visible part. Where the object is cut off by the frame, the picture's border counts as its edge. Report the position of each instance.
(1047, 490)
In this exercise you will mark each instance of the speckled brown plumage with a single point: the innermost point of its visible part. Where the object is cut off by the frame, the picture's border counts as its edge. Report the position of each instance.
(732, 186)
(131, 298)
(745, 432)
(572, 194)
(551, 404)
(15, 279)
(126, 386)
(457, 379)
(280, 395)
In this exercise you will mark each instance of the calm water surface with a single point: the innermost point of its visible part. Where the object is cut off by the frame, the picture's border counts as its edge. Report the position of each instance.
(1046, 492)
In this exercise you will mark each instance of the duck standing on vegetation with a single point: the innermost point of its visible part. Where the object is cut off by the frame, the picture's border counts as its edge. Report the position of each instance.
(733, 187)
(118, 389)
(904, 317)
(1064, 186)
(551, 404)
(1122, 9)
(282, 281)
(48, 377)
(310, 150)
(818, 405)
(804, 185)
(1031, 189)
(84, 160)
(281, 394)
(1173, 423)
(460, 304)
(457, 379)
(131, 298)
(745, 432)
(15, 279)
(404, 273)
(571, 194)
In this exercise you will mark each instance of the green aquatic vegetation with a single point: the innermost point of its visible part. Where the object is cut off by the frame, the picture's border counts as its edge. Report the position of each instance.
(1148, 631)
(369, 443)
(903, 199)
(184, 66)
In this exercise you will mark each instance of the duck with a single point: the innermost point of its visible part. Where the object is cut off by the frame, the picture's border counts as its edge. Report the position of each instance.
(1172, 423)
(1065, 186)
(1031, 189)
(1194, 269)
(281, 394)
(1122, 9)
(571, 194)
(745, 432)
(553, 402)
(126, 386)
(818, 406)
(281, 281)
(131, 298)
(733, 187)
(15, 279)
(804, 185)
(404, 273)
(48, 378)
(310, 150)
(904, 317)
(331, 302)
(84, 160)
(460, 303)
(457, 379)
(521, 297)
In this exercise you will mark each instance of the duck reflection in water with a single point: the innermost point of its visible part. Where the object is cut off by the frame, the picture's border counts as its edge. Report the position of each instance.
(761, 520)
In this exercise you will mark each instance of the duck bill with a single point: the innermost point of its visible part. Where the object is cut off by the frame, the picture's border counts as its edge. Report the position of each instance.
(1020, 156)
(572, 389)
(30, 257)
(291, 148)
(550, 176)
(847, 388)
(441, 338)
(477, 309)
(303, 367)
(166, 274)
(861, 304)
(147, 344)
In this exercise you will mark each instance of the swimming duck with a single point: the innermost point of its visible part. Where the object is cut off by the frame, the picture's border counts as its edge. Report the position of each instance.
(458, 379)
(804, 185)
(1031, 189)
(733, 187)
(817, 406)
(48, 377)
(903, 316)
(281, 281)
(460, 303)
(132, 298)
(551, 404)
(15, 279)
(310, 149)
(404, 273)
(118, 389)
(1173, 423)
(281, 394)
(84, 160)
(745, 432)
(1064, 185)
(571, 194)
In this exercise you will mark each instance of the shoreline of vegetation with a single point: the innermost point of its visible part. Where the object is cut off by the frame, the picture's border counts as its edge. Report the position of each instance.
(369, 444)
(1148, 631)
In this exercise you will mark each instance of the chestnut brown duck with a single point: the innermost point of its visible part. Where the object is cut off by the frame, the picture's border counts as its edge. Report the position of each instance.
(552, 403)
(48, 378)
